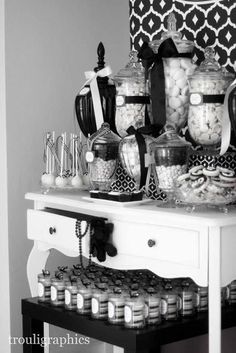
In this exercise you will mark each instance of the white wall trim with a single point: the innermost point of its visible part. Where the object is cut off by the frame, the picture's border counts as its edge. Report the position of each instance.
(4, 246)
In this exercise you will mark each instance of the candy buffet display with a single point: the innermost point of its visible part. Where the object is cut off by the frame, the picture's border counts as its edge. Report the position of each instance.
(209, 185)
(102, 156)
(207, 86)
(64, 163)
(131, 96)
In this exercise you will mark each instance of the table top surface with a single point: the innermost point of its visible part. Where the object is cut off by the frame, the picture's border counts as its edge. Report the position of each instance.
(143, 211)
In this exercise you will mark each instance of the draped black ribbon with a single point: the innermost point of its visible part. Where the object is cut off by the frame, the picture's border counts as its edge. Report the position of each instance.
(152, 130)
(167, 49)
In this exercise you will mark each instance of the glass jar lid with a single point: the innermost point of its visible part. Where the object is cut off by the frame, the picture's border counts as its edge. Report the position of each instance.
(210, 69)
(104, 136)
(169, 139)
(133, 70)
(183, 45)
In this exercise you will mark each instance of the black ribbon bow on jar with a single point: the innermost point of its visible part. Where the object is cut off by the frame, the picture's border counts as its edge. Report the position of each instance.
(151, 130)
(167, 49)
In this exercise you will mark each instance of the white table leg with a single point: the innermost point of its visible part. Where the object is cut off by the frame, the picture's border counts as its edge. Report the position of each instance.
(36, 262)
(214, 290)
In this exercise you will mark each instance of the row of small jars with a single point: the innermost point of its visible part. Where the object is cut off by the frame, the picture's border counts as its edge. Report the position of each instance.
(133, 305)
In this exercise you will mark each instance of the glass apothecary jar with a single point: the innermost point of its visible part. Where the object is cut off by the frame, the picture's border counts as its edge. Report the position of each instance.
(170, 153)
(178, 66)
(207, 87)
(102, 156)
(129, 153)
(131, 96)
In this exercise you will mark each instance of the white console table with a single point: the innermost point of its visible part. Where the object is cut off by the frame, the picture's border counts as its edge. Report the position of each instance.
(200, 245)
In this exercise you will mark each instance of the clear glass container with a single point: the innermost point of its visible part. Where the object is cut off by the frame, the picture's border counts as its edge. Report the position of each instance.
(152, 307)
(57, 291)
(116, 305)
(201, 299)
(207, 87)
(71, 296)
(134, 311)
(169, 303)
(44, 286)
(130, 85)
(130, 157)
(84, 299)
(176, 70)
(170, 154)
(231, 293)
(100, 302)
(187, 299)
(102, 157)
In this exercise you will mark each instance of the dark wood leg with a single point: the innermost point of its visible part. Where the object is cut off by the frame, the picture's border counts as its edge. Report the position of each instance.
(33, 334)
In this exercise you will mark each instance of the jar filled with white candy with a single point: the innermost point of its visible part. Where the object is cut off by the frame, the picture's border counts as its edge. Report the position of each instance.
(178, 65)
(102, 156)
(170, 153)
(131, 96)
(207, 86)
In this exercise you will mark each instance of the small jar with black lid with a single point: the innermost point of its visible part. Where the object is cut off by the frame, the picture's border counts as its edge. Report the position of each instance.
(44, 286)
(152, 306)
(116, 304)
(71, 296)
(134, 311)
(169, 303)
(100, 301)
(58, 291)
(84, 298)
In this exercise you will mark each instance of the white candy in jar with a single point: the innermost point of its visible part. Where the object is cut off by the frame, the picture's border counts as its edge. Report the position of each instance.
(176, 90)
(167, 175)
(101, 170)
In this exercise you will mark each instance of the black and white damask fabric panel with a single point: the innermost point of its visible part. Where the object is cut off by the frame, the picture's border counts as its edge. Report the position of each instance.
(206, 22)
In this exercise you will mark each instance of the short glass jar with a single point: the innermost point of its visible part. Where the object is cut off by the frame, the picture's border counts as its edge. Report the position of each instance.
(169, 304)
(84, 298)
(57, 291)
(100, 302)
(134, 311)
(44, 286)
(116, 304)
(102, 156)
(186, 295)
(152, 307)
(71, 297)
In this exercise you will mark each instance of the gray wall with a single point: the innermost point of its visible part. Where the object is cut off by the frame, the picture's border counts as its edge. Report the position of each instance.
(49, 45)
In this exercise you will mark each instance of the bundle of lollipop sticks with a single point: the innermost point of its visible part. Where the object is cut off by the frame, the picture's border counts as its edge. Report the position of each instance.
(65, 165)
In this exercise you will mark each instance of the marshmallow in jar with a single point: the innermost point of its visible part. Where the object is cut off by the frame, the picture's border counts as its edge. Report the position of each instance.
(170, 154)
(131, 96)
(207, 87)
(102, 157)
(176, 72)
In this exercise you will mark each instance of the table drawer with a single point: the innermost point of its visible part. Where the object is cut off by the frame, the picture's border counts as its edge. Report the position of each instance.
(55, 230)
(164, 243)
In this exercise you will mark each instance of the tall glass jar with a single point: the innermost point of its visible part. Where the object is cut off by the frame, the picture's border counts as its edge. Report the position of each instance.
(102, 157)
(130, 96)
(176, 71)
(207, 87)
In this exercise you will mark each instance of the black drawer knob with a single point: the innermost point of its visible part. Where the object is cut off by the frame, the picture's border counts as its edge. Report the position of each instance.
(151, 243)
(52, 230)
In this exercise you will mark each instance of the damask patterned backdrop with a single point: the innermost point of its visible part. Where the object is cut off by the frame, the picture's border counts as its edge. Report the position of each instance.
(206, 22)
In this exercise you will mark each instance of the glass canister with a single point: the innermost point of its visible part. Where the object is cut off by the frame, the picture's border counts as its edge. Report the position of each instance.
(134, 311)
(153, 307)
(116, 304)
(129, 153)
(170, 154)
(178, 66)
(102, 156)
(201, 299)
(207, 87)
(84, 298)
(44, 286)
(186, 295)
(131, 97)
